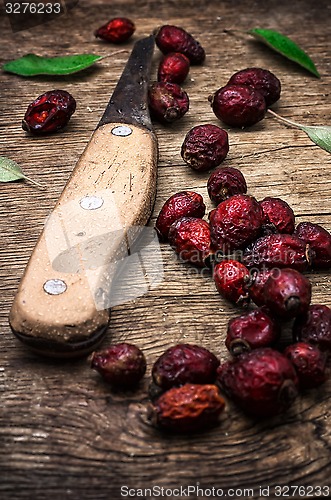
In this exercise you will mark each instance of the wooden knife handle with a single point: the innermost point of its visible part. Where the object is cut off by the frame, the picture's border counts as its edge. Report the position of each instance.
(59, 308)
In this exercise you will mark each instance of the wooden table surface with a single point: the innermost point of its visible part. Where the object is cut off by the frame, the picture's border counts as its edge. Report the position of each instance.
(63, 433)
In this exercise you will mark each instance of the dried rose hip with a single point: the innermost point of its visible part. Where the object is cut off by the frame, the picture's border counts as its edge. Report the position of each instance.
(263, 381)
(279, 214)
(314, 326)
(238, 105)
(191, 407)
(278, 250)
(250, 331)
(48, 113)
(287, 293)
(174, 68)
(319, 241)
(117, 30)
(185, 363)
(168, 102)
(190, 238)
(231, 279)
(309, 363)
(122, 365)
(171, 38)
(225, 182)
(205, 147)
(261, 80)
(255, 287)
(235, 223)
(182, 204)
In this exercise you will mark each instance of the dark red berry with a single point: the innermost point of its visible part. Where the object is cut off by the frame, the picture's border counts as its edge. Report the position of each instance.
(225, 182)
(50, 112)
(121, 365)
(174, 68)
(279, 214)
(185, 363)
(182, 204)
(238, 105)
(231, 279)
(319, 241)
(309, 363)
(190, 238)
(171, 38)
(255, 288)
(235, 223)
(250, 331)
(278, 250)
(205, 147)
(261, 80)
(117, 30)
(189, 408)
(263, 381)
(314, 326)
(168, 102)
(287, 293)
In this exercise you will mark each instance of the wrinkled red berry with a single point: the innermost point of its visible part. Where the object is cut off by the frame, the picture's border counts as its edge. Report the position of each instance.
(189, 408)
(263, 381)
(309, 363)
(190, 238)
(182, 204)
(231, 279)
(235, 223)
(278, 250)
(319, 241)
(250, 331)
(255, 288)
(261, 80)
(287, 293)
(50, 112)
(225, 182)
(185, 363)
(174, 68)
(314, 326)
(121, 365)
(171, 38)
(238, 105)
(278, 213)
(117, 30)
(205, 147)
(168, 102)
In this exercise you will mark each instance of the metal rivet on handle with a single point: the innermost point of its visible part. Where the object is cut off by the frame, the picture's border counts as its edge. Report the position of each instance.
(91, 202)
(121, 130)
(55, 286)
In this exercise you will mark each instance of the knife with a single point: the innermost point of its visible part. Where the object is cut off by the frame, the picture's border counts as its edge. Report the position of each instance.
(59, 309)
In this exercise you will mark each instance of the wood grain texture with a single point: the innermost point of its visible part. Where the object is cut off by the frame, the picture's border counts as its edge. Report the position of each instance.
(63, 433)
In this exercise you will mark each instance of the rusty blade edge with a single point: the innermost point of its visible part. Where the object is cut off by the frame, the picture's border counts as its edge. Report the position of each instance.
(129, 102)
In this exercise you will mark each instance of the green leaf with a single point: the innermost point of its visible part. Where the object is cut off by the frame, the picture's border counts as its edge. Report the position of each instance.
(11, 171)
(285, 46)
(31, 64)
(320, 135)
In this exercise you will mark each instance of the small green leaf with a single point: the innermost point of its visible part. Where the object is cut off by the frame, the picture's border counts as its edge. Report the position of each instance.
(285, 46)
(31, 64)
(320, 135)
(11, 171)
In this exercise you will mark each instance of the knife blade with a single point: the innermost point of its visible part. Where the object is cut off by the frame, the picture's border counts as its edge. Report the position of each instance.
(59, 308)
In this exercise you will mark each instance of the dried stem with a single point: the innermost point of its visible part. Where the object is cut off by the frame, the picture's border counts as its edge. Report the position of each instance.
(286, 120)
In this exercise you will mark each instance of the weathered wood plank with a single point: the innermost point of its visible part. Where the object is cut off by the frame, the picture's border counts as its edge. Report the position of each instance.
(63, 433)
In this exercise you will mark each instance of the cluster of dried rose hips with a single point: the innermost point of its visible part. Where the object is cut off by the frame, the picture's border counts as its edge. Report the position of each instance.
(168, 102)
(257, 255)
